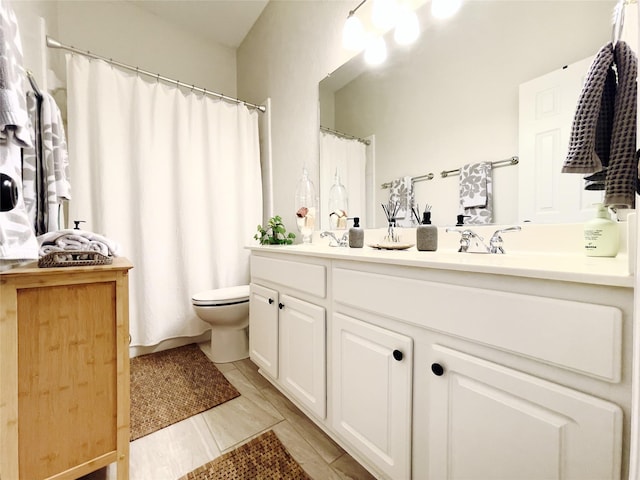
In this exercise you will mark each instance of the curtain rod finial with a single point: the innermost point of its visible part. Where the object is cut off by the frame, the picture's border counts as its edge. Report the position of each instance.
(53, 43)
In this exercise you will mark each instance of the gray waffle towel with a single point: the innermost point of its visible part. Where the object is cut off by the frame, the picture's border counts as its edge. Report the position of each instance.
(603, 136)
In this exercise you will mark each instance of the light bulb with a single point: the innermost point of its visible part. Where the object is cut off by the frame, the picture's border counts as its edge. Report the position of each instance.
(353, 36)
(407, 30)
(384, 14)
(445, 8)
(376, 51)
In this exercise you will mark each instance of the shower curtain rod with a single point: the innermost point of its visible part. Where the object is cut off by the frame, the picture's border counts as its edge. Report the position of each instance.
(345, 135)
(51, 43)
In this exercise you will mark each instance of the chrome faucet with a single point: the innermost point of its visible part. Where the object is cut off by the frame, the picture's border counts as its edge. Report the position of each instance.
(466, 237)
(496, 239)
(343, 242)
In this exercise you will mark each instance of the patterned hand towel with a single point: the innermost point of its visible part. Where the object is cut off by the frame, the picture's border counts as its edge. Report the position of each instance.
(46, 166)
(476, 195)
(402, 194)
(17, 240)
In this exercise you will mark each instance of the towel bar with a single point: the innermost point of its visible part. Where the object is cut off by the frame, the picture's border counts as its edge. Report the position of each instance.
(498, 163)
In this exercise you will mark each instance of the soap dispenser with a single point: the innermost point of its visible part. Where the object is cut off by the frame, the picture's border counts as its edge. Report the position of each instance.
(601, 235)
(356, 234)
(426, 235)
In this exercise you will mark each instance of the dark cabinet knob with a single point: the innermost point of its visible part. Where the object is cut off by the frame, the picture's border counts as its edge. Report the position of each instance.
(397, 354)
(280, 306)
(270, 301)
(9, 193)
(437, 369)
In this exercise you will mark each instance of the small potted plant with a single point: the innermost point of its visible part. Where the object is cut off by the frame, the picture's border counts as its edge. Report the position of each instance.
(274, 233)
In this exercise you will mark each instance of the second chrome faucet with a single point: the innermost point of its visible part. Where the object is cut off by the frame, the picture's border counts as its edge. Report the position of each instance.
(471, 242)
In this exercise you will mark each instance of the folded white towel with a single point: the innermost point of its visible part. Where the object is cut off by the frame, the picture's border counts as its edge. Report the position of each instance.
(68, 240)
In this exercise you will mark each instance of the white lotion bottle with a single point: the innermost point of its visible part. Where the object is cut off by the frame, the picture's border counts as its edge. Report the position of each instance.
(601, 235)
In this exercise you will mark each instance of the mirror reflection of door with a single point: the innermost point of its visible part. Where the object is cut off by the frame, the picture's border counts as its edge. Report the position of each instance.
(547, 107)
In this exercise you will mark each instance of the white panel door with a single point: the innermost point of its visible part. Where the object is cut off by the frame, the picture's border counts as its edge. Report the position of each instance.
(302, 352)
(491, 422)
(547, 108)
(372, 391)
(263, 328)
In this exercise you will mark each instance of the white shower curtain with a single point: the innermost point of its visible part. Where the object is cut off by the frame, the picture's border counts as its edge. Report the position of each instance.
(350, 158)
(174, 178)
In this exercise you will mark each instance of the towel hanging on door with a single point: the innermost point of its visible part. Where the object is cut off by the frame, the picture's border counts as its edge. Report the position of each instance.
(46, 166)
(603, 135)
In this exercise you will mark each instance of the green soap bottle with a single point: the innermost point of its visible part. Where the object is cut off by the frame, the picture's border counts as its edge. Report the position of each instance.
(601, 235)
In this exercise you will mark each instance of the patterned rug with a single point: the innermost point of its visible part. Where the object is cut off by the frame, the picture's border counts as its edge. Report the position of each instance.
(263, 458)
(169, 386)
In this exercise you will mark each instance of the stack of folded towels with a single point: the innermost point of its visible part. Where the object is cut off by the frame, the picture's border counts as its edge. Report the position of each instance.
(62, 241)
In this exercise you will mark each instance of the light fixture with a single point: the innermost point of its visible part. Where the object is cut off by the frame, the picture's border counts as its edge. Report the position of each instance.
(376, 51)
(407, 28)
(353, 34)
(445, 8)
(384, 14)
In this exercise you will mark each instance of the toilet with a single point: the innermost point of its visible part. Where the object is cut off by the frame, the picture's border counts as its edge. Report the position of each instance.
(227, 311)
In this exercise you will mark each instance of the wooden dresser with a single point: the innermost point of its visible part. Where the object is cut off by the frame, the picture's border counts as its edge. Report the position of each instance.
(64, 371)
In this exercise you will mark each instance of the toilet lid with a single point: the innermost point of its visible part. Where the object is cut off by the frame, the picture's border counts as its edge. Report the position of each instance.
(222, 296)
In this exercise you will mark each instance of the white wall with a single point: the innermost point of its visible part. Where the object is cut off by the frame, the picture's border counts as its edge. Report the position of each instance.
(292, 46)
(129, 34)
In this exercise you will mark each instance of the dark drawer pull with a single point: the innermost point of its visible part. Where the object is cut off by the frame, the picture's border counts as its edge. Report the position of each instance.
(437, 369)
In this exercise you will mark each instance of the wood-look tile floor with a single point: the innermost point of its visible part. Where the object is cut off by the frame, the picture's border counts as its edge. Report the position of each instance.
(180, 448)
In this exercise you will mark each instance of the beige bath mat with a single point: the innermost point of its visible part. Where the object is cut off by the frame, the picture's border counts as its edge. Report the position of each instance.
(263, 458)
(169, 386)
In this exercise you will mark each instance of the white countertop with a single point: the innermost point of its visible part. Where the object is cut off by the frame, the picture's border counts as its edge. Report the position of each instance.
(567, 263)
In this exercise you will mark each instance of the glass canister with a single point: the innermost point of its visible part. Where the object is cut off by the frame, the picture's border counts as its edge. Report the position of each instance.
(306, 207)
(338, 205)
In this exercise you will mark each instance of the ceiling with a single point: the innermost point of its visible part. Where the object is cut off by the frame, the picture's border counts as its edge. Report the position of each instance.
(222, 21)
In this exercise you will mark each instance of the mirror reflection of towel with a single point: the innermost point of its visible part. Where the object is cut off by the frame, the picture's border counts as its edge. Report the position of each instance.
(476, 196)
(402, 194)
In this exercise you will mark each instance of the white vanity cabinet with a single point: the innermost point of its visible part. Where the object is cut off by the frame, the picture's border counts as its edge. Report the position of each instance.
(451, 372)
(488, 421)
(512, 378)
(371, 379)
(287, 327)
(263, 328)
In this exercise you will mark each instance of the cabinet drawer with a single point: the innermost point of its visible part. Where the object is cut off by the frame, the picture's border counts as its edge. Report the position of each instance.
(583, 337)
(304, 277)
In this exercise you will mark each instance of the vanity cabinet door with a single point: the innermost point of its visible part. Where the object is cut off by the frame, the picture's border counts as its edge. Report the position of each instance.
(372, 391)
(489, 421)
(263, 328)
(302, 352)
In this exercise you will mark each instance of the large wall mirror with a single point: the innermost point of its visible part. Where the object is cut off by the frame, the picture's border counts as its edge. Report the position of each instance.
(452, 99)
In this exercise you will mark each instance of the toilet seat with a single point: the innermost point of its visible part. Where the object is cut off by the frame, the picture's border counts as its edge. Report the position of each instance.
(222, 296)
